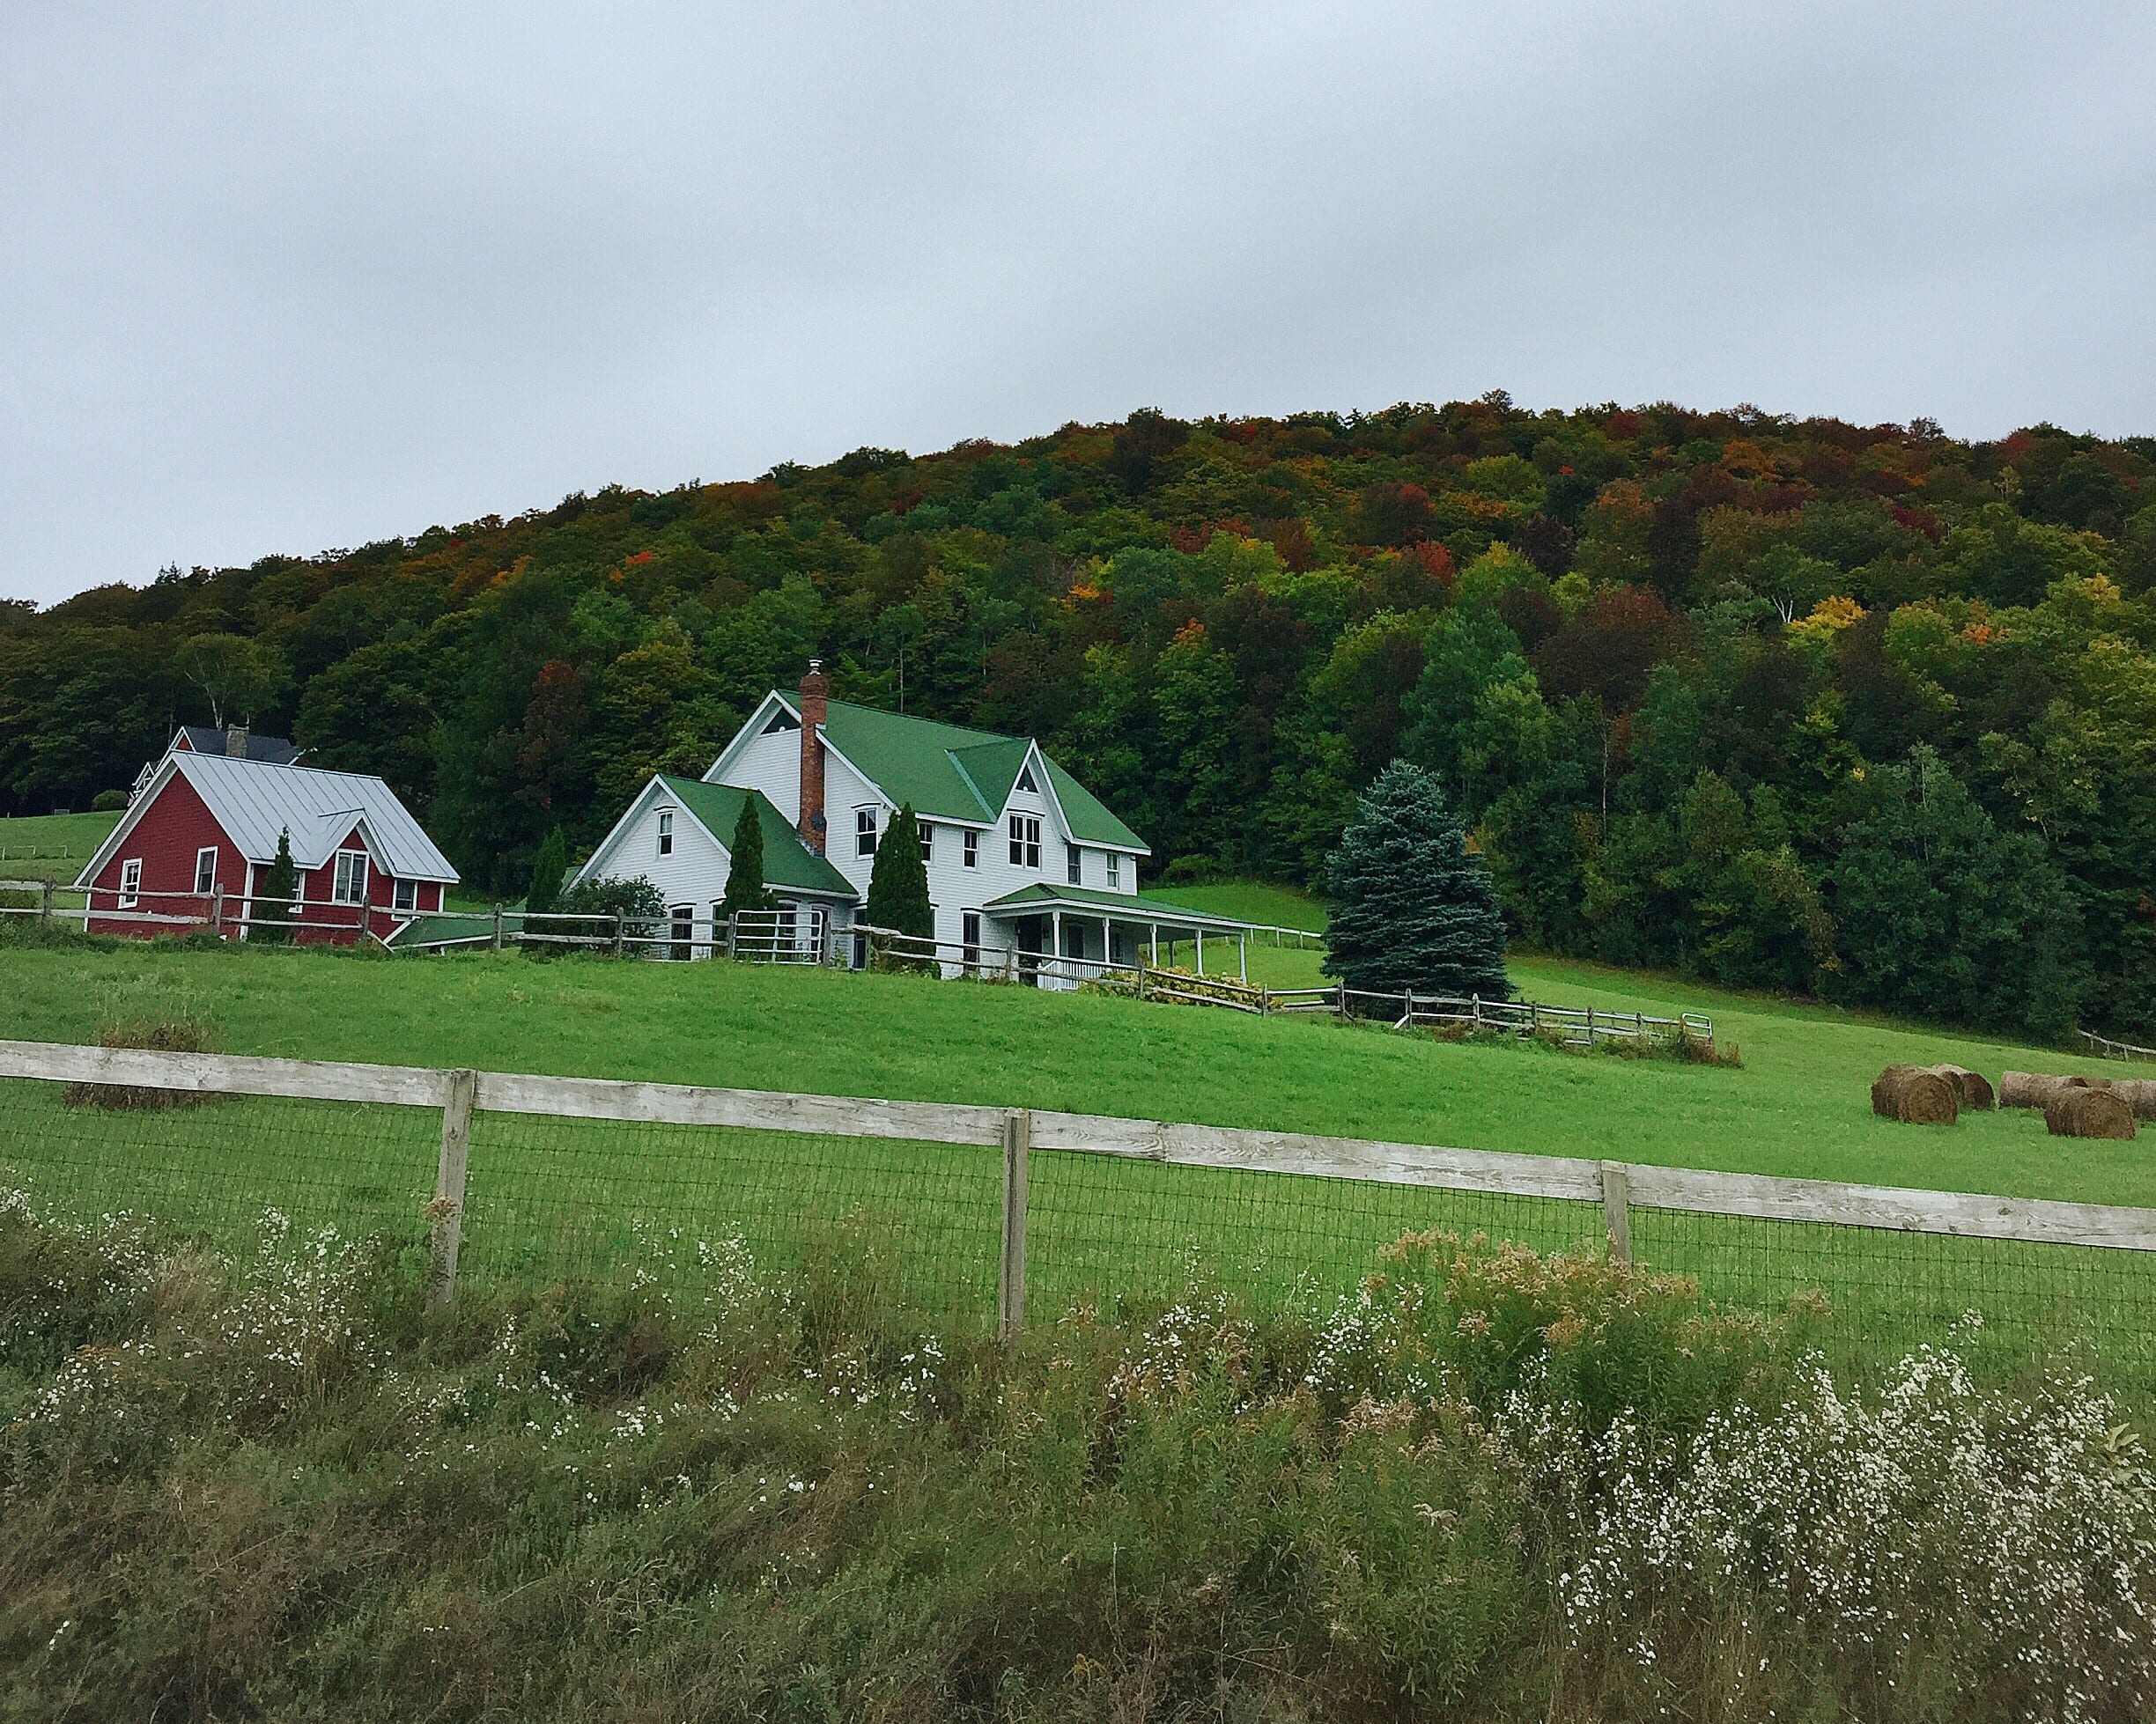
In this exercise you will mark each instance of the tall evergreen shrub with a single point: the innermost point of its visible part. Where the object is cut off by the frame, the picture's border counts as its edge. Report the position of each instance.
(547, 867)
(271, 920)
(898, 882)
(1411, 906)
(744, 887)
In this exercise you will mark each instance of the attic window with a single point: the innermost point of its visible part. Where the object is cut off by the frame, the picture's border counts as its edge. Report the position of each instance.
(349, 886)
(780, 720)
(864, 831)
(665, 832)
(1025, 780)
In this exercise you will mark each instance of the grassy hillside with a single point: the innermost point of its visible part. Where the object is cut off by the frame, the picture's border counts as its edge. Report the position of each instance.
(1799, 1105)
(36, 846)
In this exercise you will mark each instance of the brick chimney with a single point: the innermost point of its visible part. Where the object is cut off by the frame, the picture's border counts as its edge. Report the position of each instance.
(814, 691)
(235, 742)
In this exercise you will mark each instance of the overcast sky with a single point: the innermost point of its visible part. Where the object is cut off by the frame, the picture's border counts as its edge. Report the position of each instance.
(282, 277)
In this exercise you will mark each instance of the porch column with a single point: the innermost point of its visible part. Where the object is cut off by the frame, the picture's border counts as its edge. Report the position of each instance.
(1154, 931)
(1241, 959)
(1056, 940)
(1201, 951)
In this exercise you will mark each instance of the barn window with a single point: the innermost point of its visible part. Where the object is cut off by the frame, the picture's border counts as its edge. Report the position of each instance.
(666, 831)
(130, 882)
(350, 884)
(406, 894)
(1115, 869)
(973, 850)
(205, 870)
(864, 831)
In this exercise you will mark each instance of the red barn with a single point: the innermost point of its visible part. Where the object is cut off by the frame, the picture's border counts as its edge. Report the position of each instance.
(196, 846)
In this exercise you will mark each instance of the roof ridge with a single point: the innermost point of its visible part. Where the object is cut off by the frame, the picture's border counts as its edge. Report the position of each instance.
(940, 723)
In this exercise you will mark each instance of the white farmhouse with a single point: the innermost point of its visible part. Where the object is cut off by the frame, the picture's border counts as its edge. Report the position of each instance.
(1024, 862)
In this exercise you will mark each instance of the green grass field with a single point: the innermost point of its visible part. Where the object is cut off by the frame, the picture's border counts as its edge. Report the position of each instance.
(55, 846)
(554, 1196)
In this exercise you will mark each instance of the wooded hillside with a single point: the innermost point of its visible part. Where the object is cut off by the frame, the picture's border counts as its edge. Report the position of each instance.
(1868, 711)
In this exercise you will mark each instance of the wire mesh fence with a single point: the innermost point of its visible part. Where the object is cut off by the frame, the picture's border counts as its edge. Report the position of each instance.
(550, 1198)
(571, 1180)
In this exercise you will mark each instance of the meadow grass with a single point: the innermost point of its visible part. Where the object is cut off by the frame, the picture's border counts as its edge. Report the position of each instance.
(52, 846)
(555, 1198)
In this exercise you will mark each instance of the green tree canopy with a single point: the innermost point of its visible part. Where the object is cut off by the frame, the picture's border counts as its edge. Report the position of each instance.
(1413, 906)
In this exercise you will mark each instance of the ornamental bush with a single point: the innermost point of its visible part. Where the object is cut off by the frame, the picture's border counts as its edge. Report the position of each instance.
(1413, 906)
(744, 887)
(898, 883)
(270, 916)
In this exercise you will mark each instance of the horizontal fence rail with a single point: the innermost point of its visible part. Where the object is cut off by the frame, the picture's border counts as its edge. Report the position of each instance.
(1889, 1208)
(2110, 1050)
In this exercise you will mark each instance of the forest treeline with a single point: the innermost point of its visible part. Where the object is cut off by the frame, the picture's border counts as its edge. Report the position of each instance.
(1863, 711)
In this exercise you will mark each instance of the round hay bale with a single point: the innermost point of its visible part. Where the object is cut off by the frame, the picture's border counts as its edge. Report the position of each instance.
(1883, 1087)
(2139, 1093)
(1972, 1089)
(1915, 1097)
(2089, 1113)
(2033, 1089)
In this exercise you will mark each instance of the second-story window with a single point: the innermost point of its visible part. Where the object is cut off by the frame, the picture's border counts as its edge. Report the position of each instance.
(1025, 841)
(1115, 869)
(973, 850)
(665, 832)
(927, 838)
(864, 832)
(1074, 865)
(349, 884)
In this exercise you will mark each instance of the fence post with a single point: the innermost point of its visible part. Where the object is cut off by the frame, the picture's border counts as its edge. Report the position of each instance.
(1010, 1281)
(1478, 1014)
(1534, 1019)
(732, 936)
(1590, 1028)
(1617, 1211)
(445, 1232)
(498, 931)
(1340, 1001)
(216, 910)
(617, 933)
(44, 900)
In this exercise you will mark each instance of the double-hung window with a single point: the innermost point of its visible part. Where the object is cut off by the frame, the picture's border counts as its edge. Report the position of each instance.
(405, 896)
(927, 838)
(1074, 865)
(205, 870)
(973, 850)
(864, 831)
(666, 831)
(349, 886)
(1025, 841)
(969, 936)
(1115, 870)
(130, 882)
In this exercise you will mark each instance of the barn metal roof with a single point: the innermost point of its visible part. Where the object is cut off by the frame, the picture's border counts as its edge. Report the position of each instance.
(253, 801)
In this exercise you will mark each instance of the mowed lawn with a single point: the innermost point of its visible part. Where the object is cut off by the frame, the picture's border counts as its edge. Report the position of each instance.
(1799, 1105)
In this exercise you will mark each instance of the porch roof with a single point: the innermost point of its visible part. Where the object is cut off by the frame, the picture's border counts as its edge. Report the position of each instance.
(1134, 906)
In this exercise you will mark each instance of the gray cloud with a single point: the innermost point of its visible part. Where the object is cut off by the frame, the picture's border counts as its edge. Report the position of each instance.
(280, 277)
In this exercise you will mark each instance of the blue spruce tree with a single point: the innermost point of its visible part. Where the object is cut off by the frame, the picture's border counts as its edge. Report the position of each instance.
(1413, 906)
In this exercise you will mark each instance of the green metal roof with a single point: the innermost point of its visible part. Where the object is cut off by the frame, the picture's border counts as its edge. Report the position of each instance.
(439, 927)
(1124, 906)
(788, 861)
(949, 772)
